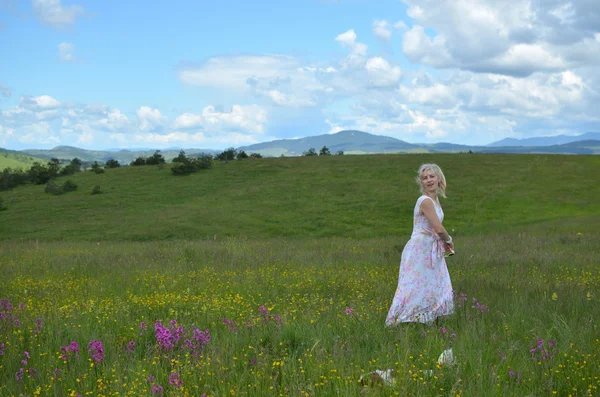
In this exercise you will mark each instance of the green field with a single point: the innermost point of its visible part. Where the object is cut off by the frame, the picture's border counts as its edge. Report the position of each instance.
(13, 159)
(311, 197)
(290, 265)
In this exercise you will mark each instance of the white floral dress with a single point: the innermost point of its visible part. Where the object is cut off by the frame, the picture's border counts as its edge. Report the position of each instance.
(424, 289)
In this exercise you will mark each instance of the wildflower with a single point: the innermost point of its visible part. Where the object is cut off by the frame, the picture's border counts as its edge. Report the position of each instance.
(1, 349)
(38, 325)
(554, 296)
(197, 342)
(230, 324)
(443, 330)
(263, 311)
(19, 375)
(157, 390)
(349, 312)
(130, 347)
(26, 354)
(511, 372)
(502, 356)
(150, 379)
(175, 380)
(143, 326)
(96, 351)
(71, 350)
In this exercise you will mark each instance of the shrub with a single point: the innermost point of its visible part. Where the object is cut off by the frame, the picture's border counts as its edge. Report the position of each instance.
(38, 174)
(340, 153)
(139, 161)
(204, 161)
(228, 154)
(112, 163)
(71, 168)
(155, 159)
(53, 188)
(69, 186)
(258, 155)
(96, 190)
(310, 152)
(181, 158)
(97, 168)
(241, 155)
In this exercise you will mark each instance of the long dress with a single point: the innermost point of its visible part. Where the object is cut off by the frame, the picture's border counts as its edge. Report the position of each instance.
(424, 289)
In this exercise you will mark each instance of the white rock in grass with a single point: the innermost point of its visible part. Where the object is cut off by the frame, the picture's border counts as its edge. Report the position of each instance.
(446, 358)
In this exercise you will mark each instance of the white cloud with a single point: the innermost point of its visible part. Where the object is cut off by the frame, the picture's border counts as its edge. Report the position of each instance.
(66, 52)
(358, 51)
(42, 102)
(401, 26)
(150, 119)
(381, 73)
(280, 79)
(382, 29)
(246, 118)
(54, 14)
(188, 120)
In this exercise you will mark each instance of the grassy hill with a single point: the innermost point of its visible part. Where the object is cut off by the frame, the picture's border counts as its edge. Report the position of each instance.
(309, 197)
(14, 159)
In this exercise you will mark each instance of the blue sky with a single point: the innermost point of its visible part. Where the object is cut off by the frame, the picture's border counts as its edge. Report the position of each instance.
(229, 73)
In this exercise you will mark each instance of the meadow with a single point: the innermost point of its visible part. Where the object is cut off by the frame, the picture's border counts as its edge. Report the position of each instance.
(294, 305)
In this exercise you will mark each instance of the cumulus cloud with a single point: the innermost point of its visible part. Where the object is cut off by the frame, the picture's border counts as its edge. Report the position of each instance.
(509, 37)
(54, 14)
(66, 52)
(358, 51)
(249, 119)
(381, 73)
(283, 80)
(382, 29)
(37, 103)
(150, 119)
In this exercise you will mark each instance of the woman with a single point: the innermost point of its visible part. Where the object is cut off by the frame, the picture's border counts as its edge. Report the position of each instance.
(424, 289)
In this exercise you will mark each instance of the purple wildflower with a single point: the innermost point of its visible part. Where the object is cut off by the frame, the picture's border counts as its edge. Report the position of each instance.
(157, 390)
(175, 380)
(230, 324)
(19, 375)
(1, 349)
(71, 350)
(263, 311)
(502, 356)
(143, 326)
(96, 351)
(130, 347)
(150, 379)
(197, 342)
(349, 312)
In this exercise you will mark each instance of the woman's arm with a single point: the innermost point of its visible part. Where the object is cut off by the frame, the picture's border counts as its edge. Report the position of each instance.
(428, 209)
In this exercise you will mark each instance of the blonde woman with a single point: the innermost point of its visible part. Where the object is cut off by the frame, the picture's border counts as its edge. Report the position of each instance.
(424, 290)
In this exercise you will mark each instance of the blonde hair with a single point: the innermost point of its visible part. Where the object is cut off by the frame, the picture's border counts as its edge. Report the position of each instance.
(441, 189)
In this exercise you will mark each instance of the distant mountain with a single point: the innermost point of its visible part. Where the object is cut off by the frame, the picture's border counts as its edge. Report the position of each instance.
(122, 155)
(546, 140)
(348, 141)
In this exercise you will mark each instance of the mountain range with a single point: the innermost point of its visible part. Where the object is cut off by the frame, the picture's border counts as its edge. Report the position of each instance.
(348, 141)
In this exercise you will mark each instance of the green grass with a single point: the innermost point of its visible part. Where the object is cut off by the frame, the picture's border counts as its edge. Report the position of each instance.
(533, 287)
(11, 159)
(310, 197)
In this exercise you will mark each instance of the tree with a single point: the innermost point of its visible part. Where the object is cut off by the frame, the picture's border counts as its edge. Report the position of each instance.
(241, 155)
(155, 159)
(340, 153)
(324, 151)
(53, 167)
(38, 174)
(71, 168)
(255, 156)
(112, 163)
(97, 168)
(310, 152)
(181, 158)
(139, 161)
(228, 154)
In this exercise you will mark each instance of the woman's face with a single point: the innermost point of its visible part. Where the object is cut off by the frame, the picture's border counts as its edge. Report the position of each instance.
(429, 181)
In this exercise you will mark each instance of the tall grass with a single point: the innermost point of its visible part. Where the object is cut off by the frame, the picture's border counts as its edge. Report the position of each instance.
(297, 317)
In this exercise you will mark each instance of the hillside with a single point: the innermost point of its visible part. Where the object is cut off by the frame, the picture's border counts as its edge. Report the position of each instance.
(123, 156)
(15, 159)
(546, 140)
(308, 197)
